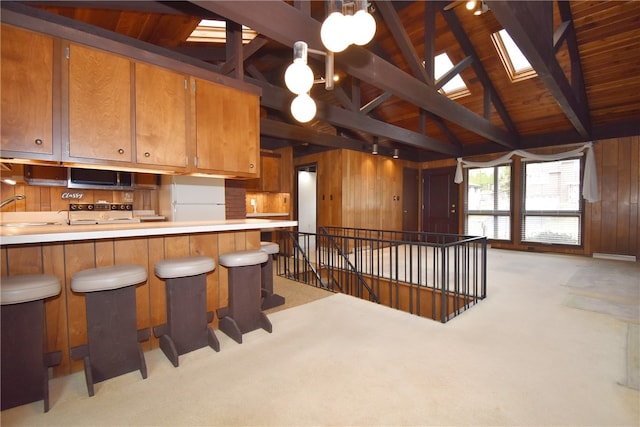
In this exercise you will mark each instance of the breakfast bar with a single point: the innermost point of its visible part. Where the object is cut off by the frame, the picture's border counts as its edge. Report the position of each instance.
(63, 250)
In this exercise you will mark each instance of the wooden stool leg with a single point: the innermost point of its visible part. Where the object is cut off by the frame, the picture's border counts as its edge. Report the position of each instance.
(269, 299)
(244, 313)
(113, 336)
(24, 376)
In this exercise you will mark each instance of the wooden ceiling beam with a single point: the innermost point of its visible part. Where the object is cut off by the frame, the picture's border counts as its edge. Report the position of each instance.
(577, 76)
(285, 24)
(454, 71)
(279, 99)
(401, 37)
(252, 47)
(467, 47)
(282, 130)
(529, 23)
(375, 102)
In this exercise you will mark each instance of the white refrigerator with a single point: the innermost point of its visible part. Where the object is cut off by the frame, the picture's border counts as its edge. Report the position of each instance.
(192, 198)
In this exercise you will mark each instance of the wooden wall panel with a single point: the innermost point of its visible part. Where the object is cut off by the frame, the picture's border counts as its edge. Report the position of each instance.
(136, 251)
(614, 219)
(25, 260)
(4, 269)
(78, 256)
(56, 307)
(157, 291)
(202, 245)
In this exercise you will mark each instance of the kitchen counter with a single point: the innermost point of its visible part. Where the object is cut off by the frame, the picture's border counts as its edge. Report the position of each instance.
(17, 235)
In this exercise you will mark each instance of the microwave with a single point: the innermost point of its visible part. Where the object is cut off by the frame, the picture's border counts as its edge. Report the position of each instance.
(100, 179)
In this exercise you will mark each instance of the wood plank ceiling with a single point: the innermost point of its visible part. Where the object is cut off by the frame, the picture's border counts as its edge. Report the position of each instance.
(586, 55)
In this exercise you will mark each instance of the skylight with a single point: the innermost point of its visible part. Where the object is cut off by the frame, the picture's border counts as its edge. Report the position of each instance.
(454, 88)
(213, 31)
(515, 63)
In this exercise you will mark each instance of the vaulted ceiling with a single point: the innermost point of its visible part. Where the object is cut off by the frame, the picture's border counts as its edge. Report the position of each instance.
(586, 55)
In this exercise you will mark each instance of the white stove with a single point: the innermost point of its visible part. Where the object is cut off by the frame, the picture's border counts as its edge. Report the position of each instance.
(101, 213)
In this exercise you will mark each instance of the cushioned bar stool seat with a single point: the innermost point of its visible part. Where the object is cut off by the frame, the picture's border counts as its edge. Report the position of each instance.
(24, 370)
(244, 312)
(187, 326)
(269, 299)
(113, 345)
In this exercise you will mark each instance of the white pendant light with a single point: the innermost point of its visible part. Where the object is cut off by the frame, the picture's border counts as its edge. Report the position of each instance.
(333, 32)
(364, 27)
(303, 108)
(299, 77)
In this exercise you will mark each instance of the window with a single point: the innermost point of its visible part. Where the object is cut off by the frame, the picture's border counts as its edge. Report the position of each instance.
(213, 31)
(552, 210)
(488, 202)
(515, 63)
(454, 88)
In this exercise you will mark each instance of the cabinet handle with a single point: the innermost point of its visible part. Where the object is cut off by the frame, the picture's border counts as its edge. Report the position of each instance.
(147, 154)
(251, 165)
(121, 151)
(38, 141)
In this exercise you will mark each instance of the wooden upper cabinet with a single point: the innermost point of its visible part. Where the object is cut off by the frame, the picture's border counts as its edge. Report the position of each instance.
(269, 180)
(227, 129)
(162, 101)
(99, 106)
(27, 95)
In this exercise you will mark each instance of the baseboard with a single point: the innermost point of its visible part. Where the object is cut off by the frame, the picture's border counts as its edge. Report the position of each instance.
(615, 257)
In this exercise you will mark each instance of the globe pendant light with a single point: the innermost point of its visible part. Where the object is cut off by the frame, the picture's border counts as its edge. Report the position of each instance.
(303, 108)
(334, 32)
(364, 27)
(299, 77)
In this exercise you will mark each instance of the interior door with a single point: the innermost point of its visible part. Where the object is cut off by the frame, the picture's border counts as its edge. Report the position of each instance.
(440, 201)
(410, 200)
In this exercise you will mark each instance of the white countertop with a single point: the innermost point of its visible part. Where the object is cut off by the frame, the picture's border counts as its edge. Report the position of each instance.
(17, 235)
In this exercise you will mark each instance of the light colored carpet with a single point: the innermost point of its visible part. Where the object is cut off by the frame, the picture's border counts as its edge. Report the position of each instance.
(523, 356)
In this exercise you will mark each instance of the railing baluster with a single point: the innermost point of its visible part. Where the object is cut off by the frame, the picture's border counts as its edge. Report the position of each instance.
(358, 261)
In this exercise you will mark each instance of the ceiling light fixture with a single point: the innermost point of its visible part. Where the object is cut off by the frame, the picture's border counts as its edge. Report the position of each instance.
(396, 153)
(299, 79)
(340, 30)
(374, 148)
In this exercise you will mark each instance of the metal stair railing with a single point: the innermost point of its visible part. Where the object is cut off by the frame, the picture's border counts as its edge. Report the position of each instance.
(331, 240)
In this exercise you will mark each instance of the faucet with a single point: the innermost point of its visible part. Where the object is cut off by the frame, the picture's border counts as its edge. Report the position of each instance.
(11, 199)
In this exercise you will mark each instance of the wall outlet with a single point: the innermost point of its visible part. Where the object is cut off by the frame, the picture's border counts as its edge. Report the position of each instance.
(127, 196)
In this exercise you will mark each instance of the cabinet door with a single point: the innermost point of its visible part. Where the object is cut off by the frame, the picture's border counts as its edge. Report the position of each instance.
(99, 106)
(270, 173)
(27, 93)
(161, 116)
(227, 129)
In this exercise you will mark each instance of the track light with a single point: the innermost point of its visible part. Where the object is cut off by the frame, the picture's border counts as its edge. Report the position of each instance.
(374, 149)
(396, 153)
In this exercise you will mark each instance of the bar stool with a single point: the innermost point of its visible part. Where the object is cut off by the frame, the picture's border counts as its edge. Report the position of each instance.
(187, 326)
(113, 345)
(25, 365)
(269, 299)
(243, 313)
